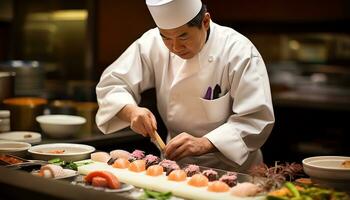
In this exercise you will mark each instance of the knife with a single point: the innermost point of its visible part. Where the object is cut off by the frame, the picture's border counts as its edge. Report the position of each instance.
(157, 140)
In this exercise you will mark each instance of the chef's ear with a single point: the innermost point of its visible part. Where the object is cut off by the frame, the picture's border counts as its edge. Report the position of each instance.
(206, 20)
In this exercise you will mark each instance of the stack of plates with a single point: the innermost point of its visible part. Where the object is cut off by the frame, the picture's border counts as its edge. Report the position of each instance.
(21, 136)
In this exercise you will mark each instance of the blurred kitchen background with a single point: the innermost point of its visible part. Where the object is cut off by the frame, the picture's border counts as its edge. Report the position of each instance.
(59, 48)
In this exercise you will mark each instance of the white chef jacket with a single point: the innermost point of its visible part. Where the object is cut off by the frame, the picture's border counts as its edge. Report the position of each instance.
(237, 123)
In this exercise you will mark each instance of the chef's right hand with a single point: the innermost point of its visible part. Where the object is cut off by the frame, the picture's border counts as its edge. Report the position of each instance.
(141, 119)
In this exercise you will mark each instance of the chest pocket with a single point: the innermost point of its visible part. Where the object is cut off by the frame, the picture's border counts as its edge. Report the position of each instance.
(217, 110)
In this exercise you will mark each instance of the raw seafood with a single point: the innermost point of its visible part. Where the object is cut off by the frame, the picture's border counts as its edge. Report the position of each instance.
(119, 154)
(198, 180)
(177, 175)
(51, 171)
(218, 186)
(99, 182)
(112, 181)
(137, 166)
(100, 157)
(154, 170)
(245, 189)
(121, 163)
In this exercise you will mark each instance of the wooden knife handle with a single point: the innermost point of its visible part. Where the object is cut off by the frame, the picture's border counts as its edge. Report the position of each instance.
(159, 140)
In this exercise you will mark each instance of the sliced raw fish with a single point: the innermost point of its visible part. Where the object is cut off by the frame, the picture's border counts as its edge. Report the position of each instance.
(198, 180)
(218, 186)
(119, 154)
(99, 182)
(112, 180)
(51, 171)
(245, 189)
(100, 157)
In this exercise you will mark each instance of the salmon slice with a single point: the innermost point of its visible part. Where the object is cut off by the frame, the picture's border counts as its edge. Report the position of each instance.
(99, 182)
(121, 163)
(138, 166)
(112, 181)
(177, 175)
(155, 170)
(198, 180)
(218, 186)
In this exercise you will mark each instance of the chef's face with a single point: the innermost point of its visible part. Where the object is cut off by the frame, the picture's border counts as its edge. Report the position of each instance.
(186, 41)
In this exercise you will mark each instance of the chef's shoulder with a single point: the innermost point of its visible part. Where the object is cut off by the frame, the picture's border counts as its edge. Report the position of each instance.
(150, 40)
(236, 44)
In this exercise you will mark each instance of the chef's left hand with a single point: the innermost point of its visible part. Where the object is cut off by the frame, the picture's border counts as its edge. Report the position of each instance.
(184, 145)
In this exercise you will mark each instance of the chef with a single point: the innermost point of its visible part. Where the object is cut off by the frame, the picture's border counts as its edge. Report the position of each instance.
(212, 88)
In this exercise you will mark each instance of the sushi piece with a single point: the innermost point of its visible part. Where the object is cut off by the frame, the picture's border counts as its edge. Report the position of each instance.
(218, 186)
(51, 171)
(155, 170)
(137, 166)
(112, 181)
(198, 180)
(230, 179)
(121, 163)
(192, 170)
(245, 189)
(151, 160)
(136, 155)
(177, 175)
(211, 174)
(115, 154)
(100, 157)
(169, 166)
(99, 182)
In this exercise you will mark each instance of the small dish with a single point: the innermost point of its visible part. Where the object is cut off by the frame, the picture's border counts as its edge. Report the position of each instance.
(14, 148)
(328, 171)
(21, 136)
(64, 151)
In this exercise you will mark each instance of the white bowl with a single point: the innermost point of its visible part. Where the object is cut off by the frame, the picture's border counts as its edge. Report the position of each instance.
(67, 151)
(60, 126)
(14, 148)
(328, 171)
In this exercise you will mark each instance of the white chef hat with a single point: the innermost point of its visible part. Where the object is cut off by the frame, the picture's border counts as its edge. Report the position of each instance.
(169, 14)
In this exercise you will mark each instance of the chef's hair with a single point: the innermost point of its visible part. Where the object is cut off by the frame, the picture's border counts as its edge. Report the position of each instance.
(197, 20)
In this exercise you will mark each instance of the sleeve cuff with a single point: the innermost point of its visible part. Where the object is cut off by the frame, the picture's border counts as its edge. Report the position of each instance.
(106, 118)
(229, 143)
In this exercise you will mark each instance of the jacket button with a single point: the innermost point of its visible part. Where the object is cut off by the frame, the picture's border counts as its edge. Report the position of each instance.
(211, 59)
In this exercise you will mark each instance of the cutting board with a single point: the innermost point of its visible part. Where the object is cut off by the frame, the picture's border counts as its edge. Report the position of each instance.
(161, 183)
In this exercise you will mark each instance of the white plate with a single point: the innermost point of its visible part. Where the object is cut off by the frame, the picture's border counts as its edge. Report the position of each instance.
(21, 136)
(328, 171)
(69, 151)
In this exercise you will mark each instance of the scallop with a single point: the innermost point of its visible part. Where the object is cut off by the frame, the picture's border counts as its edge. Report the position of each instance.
(121, 163)
(198, 180)
(177, 175)
(218, 186)
(154, 170)
(137, 166)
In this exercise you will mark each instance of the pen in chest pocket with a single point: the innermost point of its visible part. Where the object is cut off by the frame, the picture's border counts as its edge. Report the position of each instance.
(208, 94)
(217, 91)
(213, 94)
